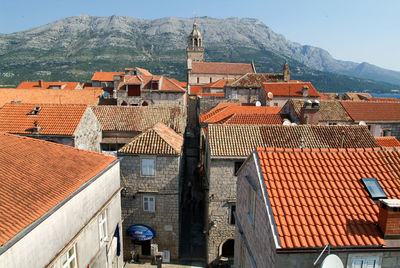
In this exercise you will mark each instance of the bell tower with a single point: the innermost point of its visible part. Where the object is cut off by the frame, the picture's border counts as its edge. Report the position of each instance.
(195, 49)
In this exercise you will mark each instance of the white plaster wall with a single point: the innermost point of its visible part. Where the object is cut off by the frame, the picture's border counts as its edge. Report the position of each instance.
(43, 243)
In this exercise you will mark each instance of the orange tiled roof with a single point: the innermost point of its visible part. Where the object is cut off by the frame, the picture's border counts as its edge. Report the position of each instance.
(165, 84)
(139, 118)
(159, 139)
(372, 110)
(382, 99)
(50, 96)
(255, 80)
(105, 76)
(290, 89)
(218, 84)
(388, 141)
(328, 111)
(47, 85)
(317, 197)
(356, 96)
(36, 176)
(254, 119)
(221, 114)
(144, 71)
(52, 119)
(223, 68)
(241, 140)
(179, 83)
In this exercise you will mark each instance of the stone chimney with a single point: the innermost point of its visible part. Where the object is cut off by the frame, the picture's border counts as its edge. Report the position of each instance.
(40, 83)
(117, 79)
(305, 91)
(389, 218)
(310, 112)
(36, 129)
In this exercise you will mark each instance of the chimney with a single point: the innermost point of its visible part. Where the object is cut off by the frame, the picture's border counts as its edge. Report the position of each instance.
(389, 218)
(40, 83)
(305, 91)
(117, 79)
(36, 129)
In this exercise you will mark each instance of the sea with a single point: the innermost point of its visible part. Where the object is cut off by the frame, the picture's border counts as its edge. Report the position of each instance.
(386, 95)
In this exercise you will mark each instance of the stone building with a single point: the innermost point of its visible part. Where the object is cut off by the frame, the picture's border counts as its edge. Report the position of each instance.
(292, 203)
(227, 146)
(73, 125)
(151, 177)
(60, 206)
(121, 123)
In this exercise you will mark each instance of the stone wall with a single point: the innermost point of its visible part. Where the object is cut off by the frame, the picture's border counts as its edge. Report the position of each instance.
(259, 243)
(221, 196)
(153, 97)
(203, 79)
(377, 129)
(244, 95)
(207, 103)
(164, 186)
(88, 133)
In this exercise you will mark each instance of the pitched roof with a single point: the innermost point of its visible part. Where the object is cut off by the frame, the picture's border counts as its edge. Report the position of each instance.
(219, 83)
(50, 96)
(241, 140)
(105, 76)
(182, 84)
(317, 197)
(255, 80)
(36, 176)
(356, 96)
(221, 113)
(144, 71)
(328, 111)
(223, 68)
(165, 84)
(254, 119)
(139, 118)
(52, 119)
(372, 110)
(388, 141)
(159, 139)
(48, 85)
(290, 89)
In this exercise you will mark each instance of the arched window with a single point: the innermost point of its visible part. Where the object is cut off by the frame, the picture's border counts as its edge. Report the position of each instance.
(228, 248)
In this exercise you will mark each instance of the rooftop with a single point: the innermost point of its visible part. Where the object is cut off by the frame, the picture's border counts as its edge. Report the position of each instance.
(53, 119)
(388, 141)
(328, 111)
(223, 68)
(372, 110)
(49, 85)
(36, 176)
(317, 197)
(241, 140)
(159, 140)
(290, 89)
(255, 80)
(105, 76)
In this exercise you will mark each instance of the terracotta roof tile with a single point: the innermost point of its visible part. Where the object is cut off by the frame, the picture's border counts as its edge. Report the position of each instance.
(254, 119)
(179, 83)
(372, 110)
(140, 118)
(344, 216)
(223, 68)
(48, 85)
(328, 111)
(241, 140)
(165, 84)
(160, 140)
(144, 71)
(290, 89)
(36, 176)
(388, 141)
(50, 96)
(52, 119)
(219, 83)
(254, 80)
(105, 76)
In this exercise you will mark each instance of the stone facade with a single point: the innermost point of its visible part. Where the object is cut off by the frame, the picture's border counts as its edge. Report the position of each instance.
(221, 198)
(243, 95)
(384, 129)
(165, 188)
(88, 133)
(152, 97)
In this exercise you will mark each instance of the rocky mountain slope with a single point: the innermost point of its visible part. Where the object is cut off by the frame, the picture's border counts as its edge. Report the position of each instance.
(73, 48)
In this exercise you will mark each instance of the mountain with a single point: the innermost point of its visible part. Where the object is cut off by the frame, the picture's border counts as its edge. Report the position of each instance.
(73, 48)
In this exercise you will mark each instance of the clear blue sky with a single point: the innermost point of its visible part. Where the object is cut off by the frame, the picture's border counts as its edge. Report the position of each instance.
(355, 30)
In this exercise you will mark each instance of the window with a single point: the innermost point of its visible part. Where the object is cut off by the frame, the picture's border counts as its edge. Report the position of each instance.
(147, 166)
(210, 79)
(332, 124)
(103, 226)
(198, 80)
(232, 219)
(68, 259)
(374, 188)
(238, 164)
(365, 262)
(252, 203)
(275, 104)
(386, 132)
(234, 94)
(149, 203)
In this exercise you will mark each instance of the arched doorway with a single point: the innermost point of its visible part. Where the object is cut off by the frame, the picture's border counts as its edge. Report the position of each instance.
(228, 248)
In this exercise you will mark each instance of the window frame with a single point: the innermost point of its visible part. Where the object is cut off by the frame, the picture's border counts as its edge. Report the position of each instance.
(232, 210)
(151, 205)
(236, 166)
(376, 259)
(69, 259)
(366, 181)
(234, 94)
(102, 220)
(154, 166)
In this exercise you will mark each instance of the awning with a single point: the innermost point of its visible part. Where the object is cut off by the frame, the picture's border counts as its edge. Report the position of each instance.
(140, 232)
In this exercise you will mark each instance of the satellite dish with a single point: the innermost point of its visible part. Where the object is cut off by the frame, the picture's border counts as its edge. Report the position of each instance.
(270, 95)
(258, 103)
(286, 122)
(316, 101)
(332, 261)
(362, 123)
(293, 124)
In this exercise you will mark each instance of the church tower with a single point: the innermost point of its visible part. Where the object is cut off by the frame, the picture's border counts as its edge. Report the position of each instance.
(195, 49)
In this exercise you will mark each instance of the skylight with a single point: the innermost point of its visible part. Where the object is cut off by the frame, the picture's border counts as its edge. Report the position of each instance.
(374, 188)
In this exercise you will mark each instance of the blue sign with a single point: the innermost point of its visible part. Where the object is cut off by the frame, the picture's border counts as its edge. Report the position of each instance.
(140, 232)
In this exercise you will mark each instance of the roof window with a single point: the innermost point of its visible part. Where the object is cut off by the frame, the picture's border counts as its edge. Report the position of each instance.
(35, 111)
(374, 188)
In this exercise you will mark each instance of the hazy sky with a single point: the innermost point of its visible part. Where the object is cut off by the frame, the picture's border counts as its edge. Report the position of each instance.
(355, 30)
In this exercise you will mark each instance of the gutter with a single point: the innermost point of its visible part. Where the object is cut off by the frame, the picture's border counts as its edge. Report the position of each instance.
(339, 249)
(33, 225)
